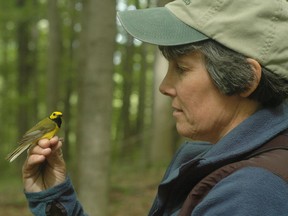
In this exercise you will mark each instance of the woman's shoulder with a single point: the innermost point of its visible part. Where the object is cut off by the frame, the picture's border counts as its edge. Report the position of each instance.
(248, 191)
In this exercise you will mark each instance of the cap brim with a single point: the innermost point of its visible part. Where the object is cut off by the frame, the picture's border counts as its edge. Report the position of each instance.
(158, 26)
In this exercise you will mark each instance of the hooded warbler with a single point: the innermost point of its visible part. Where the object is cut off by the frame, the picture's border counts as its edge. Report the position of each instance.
(46, 128)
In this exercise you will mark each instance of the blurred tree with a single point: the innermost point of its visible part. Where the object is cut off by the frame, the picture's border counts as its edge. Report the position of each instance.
(125, 123)
(54, 56)
(39, 58)
(136, 131)
(95, 103)
(164, 135)
(25, 68)
(70, 80)
(163, 123)
(7, 76)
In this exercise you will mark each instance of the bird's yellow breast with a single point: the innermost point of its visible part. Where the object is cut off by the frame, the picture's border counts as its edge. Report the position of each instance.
(50, 134)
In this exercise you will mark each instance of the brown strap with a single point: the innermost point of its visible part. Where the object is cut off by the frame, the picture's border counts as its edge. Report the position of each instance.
(272, 156)
(278, 142)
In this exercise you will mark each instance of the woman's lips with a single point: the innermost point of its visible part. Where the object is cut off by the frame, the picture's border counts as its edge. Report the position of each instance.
(177, 111)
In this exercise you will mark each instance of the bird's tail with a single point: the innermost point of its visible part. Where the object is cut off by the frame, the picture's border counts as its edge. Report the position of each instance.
(13, 155)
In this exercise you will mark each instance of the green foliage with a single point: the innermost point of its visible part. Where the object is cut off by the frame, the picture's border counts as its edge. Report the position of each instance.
(24, 62)
(23, 86)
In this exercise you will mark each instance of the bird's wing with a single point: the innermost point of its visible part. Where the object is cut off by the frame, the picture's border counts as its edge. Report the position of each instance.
(32, 136)
(36, 132)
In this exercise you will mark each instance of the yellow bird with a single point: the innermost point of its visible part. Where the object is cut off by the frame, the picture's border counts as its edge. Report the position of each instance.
(46, 128)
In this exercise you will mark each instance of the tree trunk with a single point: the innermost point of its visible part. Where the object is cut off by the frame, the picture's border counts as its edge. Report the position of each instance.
(95, 104)
(70, 84)
(54, 56)
(125, 119)
(140, 123)
(23, 67)
(163, 125)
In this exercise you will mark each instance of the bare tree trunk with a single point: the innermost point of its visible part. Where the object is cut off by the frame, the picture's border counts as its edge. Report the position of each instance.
(163, 125)
(143, 121)
(95, 104)
(26, 65)
(125, 120)
(54, 56)
(140, 122)
(70, 84)
(23, 71)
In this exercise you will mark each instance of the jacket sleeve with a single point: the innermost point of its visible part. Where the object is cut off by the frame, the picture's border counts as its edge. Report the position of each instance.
(249, 191)
(60, 200)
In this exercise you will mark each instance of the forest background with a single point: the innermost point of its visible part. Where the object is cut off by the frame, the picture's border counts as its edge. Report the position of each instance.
(74, 56)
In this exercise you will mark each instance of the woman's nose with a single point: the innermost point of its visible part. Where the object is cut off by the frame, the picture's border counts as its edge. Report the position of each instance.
(166, 87)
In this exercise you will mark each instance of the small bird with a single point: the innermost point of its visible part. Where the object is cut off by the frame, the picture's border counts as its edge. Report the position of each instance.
(46, 128)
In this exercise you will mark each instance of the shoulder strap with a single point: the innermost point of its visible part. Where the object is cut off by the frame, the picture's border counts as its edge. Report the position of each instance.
(272, 156)
(278, 142)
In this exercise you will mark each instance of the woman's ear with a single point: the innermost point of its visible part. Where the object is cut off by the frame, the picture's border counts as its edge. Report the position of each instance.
(257, 69)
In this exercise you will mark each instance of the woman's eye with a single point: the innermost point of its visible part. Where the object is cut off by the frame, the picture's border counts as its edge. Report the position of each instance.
(180, 69)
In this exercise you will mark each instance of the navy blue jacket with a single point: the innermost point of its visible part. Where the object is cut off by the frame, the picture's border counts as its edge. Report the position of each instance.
(249, 191)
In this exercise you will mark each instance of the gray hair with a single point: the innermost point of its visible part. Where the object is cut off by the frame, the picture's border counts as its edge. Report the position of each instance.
(231, 72)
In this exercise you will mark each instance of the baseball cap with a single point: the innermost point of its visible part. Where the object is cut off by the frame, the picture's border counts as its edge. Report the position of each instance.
(258, 29)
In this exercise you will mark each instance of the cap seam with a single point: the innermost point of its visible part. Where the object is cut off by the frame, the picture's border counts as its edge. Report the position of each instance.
(211, 11)
(271, 35)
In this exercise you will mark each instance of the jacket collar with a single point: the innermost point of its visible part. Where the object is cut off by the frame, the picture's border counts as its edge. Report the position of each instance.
(250, 134)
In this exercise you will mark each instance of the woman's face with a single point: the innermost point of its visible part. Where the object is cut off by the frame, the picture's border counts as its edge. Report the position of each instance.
(201, 111)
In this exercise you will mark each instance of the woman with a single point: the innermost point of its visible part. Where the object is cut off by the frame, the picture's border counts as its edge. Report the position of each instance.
(227, 81)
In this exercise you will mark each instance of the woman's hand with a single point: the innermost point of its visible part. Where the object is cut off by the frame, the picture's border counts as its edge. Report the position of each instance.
(44, 166)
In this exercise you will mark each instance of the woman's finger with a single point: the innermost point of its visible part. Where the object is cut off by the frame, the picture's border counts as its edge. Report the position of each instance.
(39, 150)
(33, 160)
(54, 140)
(44, 143)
